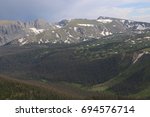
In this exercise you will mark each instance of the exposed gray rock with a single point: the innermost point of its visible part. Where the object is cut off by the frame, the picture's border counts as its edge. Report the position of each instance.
(66, 31)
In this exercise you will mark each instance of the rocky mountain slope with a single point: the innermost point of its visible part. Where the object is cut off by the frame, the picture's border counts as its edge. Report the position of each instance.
(12, 30)
(66, 31)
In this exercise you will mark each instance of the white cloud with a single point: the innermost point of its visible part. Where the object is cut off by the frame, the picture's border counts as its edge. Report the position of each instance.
(102, 11)
(141, 14)
(144, 18)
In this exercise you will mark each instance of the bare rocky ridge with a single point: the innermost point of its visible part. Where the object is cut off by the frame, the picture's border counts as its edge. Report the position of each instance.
(66, 31)
(12, 30)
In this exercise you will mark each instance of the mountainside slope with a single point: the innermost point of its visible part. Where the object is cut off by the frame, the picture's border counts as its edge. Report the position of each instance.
(66, 31)
(11, 88)
(12, 30)
(115, 66)
(133, 82)
(106, 58)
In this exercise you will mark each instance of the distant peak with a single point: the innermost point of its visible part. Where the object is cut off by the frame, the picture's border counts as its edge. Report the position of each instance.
(104, 17)
(112, 18)
(63, 22)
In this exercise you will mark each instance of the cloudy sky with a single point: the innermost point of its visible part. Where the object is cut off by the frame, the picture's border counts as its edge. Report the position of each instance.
(55, 10)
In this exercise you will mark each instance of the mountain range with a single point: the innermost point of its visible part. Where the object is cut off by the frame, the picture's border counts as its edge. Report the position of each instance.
(105, 58)
(66, 31)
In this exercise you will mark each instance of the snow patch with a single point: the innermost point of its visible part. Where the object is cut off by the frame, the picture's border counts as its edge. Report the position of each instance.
(67, 41)
(140, 27)
(86, 25)
(54, 42)
(146, 37)
(57, 35)
(106, 33)
(36, 31)
(75, 29)
(21, 40)
(41, 41)
(133, 42)
(23, 43)
(85, 39)
(123, 21)
(104, 21)
(47, 41)
(139, 39)
(70, 36)
(58, 26)
(103, 33)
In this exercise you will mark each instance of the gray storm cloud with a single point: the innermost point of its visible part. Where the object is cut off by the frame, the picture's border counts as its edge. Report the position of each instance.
(32, 9)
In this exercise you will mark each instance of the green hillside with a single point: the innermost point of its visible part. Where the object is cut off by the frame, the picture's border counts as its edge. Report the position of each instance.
(18, 89)
(113, 67)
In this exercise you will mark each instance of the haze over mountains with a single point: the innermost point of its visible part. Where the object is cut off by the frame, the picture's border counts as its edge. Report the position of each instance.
(105, 58)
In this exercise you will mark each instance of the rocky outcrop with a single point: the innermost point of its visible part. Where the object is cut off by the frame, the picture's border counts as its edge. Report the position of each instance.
(11, 30)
